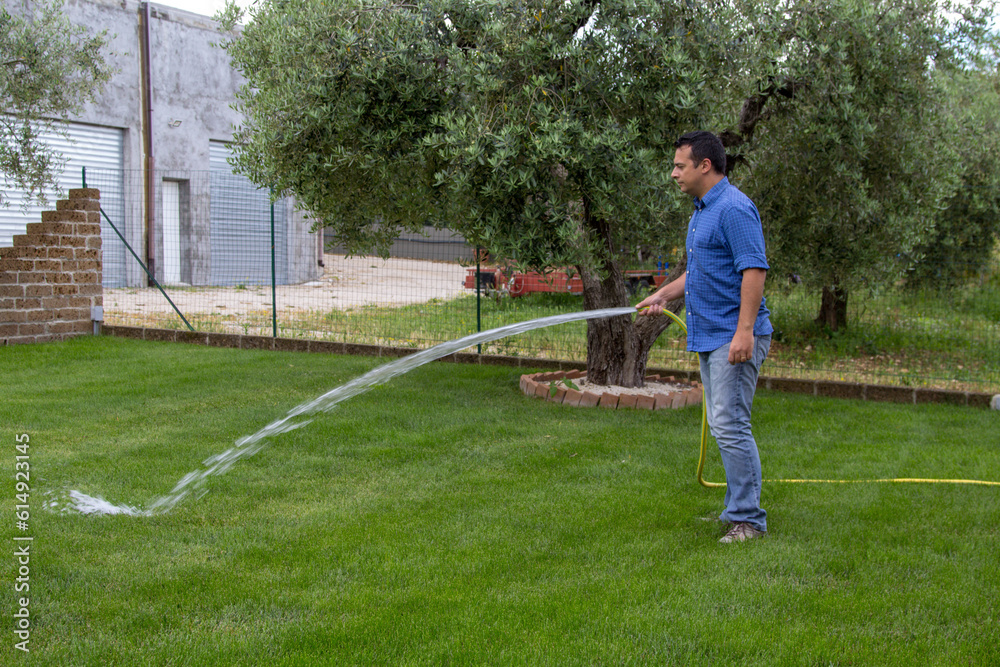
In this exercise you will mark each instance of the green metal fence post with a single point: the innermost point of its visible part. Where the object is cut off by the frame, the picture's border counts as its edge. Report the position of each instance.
(479, 313)
(274, 279)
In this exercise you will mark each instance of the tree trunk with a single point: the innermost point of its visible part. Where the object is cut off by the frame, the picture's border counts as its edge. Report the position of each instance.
(833, 308)
(618, 347)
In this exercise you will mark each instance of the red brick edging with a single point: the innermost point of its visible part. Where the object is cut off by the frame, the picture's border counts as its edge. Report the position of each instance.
(539, 385)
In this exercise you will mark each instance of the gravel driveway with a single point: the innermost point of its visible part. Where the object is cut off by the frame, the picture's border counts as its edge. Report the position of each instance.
(346, 283)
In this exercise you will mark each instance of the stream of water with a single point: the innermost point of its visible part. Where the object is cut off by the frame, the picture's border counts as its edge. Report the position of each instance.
(194, 483)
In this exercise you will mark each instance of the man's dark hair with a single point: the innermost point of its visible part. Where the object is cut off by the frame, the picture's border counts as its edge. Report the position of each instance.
(705, 145)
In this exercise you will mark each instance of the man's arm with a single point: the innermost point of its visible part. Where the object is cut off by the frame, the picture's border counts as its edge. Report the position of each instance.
(751, 293)
(655, 302)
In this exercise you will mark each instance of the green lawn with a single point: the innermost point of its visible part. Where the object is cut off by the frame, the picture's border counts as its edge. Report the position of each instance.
(444, 518)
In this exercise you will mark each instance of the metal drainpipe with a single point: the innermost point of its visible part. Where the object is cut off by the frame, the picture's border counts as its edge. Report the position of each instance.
(147, 136)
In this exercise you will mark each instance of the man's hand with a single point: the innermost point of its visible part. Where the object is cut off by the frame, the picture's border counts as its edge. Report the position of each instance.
(751, 293)
(651, 305)
(654, 303)
(741, 349)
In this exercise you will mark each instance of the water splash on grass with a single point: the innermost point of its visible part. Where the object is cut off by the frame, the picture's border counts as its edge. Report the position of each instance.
(75, 502)
(194, 483)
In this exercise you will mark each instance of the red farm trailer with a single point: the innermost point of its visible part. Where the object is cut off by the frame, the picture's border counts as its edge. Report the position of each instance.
(567, 282)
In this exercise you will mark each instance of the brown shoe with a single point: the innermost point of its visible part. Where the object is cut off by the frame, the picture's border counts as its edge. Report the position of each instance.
(741, 532)
(719, 524)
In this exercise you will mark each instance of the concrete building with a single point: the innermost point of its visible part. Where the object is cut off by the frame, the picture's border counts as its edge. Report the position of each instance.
(156, 144)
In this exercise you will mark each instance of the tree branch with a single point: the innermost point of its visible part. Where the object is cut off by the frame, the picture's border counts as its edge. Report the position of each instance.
(751, 114)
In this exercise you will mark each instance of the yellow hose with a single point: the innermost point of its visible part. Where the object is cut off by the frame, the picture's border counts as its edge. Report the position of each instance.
(721, 485)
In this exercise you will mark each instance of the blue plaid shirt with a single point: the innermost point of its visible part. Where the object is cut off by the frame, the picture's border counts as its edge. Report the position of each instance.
(724, 238)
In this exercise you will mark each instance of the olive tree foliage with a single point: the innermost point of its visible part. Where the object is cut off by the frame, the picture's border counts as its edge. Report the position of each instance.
(967, 227)
(49, 68)
(542, 130)
(850, 153)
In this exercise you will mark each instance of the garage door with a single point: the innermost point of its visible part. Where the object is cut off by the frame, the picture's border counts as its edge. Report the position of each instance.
(99, 149)
(241, 227)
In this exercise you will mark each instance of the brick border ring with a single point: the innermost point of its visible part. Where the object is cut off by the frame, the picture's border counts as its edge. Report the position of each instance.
(539, 385)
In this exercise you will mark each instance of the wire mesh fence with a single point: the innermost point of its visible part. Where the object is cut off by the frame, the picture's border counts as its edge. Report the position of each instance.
(231, 261)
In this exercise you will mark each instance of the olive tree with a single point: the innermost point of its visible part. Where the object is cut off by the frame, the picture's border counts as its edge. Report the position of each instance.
(49, 69)
(849, 139)
(967, 227)
(542, 130)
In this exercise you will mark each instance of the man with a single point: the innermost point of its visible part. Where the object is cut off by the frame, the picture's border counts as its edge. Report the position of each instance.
(727, 321)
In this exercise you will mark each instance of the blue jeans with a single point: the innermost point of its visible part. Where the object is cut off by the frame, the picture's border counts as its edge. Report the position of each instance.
(729, 390)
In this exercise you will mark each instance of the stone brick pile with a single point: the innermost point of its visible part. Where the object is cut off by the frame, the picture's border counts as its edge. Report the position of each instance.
(50, 279)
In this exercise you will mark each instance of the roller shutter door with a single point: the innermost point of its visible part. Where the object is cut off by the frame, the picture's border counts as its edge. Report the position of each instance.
(241, 227)
(99, 149)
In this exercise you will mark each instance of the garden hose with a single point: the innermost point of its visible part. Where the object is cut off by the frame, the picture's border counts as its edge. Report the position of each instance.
(721, 485)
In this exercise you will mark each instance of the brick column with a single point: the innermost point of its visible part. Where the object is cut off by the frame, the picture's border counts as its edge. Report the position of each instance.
(51, 277)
